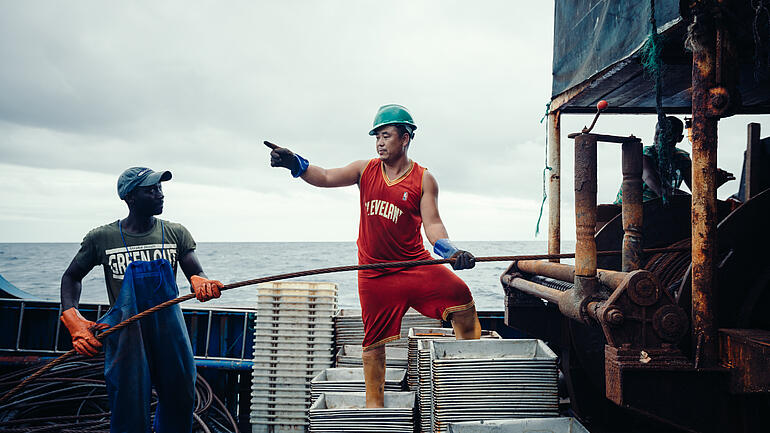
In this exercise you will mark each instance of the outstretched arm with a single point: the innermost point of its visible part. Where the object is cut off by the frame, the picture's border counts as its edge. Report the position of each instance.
(333, 177)
(313, 174)
(434, 227)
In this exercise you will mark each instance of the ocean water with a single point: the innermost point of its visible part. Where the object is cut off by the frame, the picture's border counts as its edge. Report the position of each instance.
(37, 268)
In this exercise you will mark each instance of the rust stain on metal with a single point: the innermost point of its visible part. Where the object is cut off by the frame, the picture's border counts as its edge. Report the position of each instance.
(564, 272)
(747, 353)
(585, 205)
(704, 168)
(632, 206)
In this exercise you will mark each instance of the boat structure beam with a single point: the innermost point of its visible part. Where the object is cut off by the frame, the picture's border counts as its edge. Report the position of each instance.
(710, 101)
(554, 183)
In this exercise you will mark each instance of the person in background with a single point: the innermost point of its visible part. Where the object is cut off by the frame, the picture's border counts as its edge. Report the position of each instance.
(653, 179)
(139, 255)
(397, 197)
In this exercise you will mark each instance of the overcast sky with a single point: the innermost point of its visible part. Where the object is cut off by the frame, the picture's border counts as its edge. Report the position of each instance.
(90, 88)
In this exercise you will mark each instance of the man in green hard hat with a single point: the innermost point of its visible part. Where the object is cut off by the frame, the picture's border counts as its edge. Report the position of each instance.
(397, 197)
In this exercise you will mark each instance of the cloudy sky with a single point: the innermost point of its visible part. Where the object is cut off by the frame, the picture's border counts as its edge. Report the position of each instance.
(90, 88)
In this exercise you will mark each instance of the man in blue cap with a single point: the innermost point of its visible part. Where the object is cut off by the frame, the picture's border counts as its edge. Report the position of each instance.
(139, 255)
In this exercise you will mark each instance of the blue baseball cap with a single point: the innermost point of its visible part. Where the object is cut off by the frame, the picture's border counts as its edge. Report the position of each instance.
(139, 176)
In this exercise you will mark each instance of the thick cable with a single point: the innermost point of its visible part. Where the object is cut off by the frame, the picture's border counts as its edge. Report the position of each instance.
(408, 264)
(36, 412)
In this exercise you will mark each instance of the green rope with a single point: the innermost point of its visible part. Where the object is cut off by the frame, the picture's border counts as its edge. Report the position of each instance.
(545, 170)
(653, 67)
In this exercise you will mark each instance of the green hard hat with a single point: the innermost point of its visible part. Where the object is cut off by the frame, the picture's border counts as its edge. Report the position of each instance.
(392, 114)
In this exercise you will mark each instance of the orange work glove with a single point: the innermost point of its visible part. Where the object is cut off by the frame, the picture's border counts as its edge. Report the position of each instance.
(205, 289)
(81, 330)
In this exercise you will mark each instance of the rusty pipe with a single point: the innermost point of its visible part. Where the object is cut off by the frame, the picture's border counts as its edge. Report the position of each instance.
(631, 188)
(534, 289)
(585, 205)
(570, 304)
(704, 168)
(586, 284)
(564, 272)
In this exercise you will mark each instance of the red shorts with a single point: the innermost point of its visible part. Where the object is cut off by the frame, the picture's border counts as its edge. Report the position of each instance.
(434, 291)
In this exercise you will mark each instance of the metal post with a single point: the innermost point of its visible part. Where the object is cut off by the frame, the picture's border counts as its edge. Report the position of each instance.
(753, 167)
(586, 283)
(704, 168)
(554, 183)
(21, 322)
(585, 205)
(632, 206)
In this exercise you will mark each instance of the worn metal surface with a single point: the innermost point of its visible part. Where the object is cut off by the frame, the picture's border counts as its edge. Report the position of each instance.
(640, 315)
(664, 386)
(539, 290)
(564, 272)
(704, 168)
(558, 271)
(747, 353)
(632, 206)
(554, 183)
(585, 205)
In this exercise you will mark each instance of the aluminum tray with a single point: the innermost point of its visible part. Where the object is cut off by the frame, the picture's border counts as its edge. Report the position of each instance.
(540, 425)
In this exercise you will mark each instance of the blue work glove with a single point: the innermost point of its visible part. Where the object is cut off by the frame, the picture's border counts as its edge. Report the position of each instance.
(283, 157)
(446, 249)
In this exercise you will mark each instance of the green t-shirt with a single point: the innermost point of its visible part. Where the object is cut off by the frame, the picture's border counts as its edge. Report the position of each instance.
(681, 163)
(103, 246)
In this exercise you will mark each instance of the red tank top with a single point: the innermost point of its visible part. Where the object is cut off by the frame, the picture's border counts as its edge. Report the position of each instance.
(389, 230)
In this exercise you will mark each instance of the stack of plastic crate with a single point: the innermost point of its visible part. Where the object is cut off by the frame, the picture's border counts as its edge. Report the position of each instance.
(293, 342)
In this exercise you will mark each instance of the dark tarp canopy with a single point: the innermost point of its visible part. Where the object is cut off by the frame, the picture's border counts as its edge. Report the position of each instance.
(597, 50)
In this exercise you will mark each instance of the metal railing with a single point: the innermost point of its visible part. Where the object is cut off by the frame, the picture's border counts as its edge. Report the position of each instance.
(35, 323)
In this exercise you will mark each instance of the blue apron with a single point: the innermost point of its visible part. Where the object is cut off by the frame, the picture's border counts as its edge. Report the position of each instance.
(152, 351)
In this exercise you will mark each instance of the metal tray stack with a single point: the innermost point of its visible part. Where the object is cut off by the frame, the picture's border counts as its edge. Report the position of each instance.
(347, 412)
(525, 425)
(424, 397)
(416, 334)
(349, 327)
(475, 380)
(350, 356)
(352, 380)
(293, 341)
